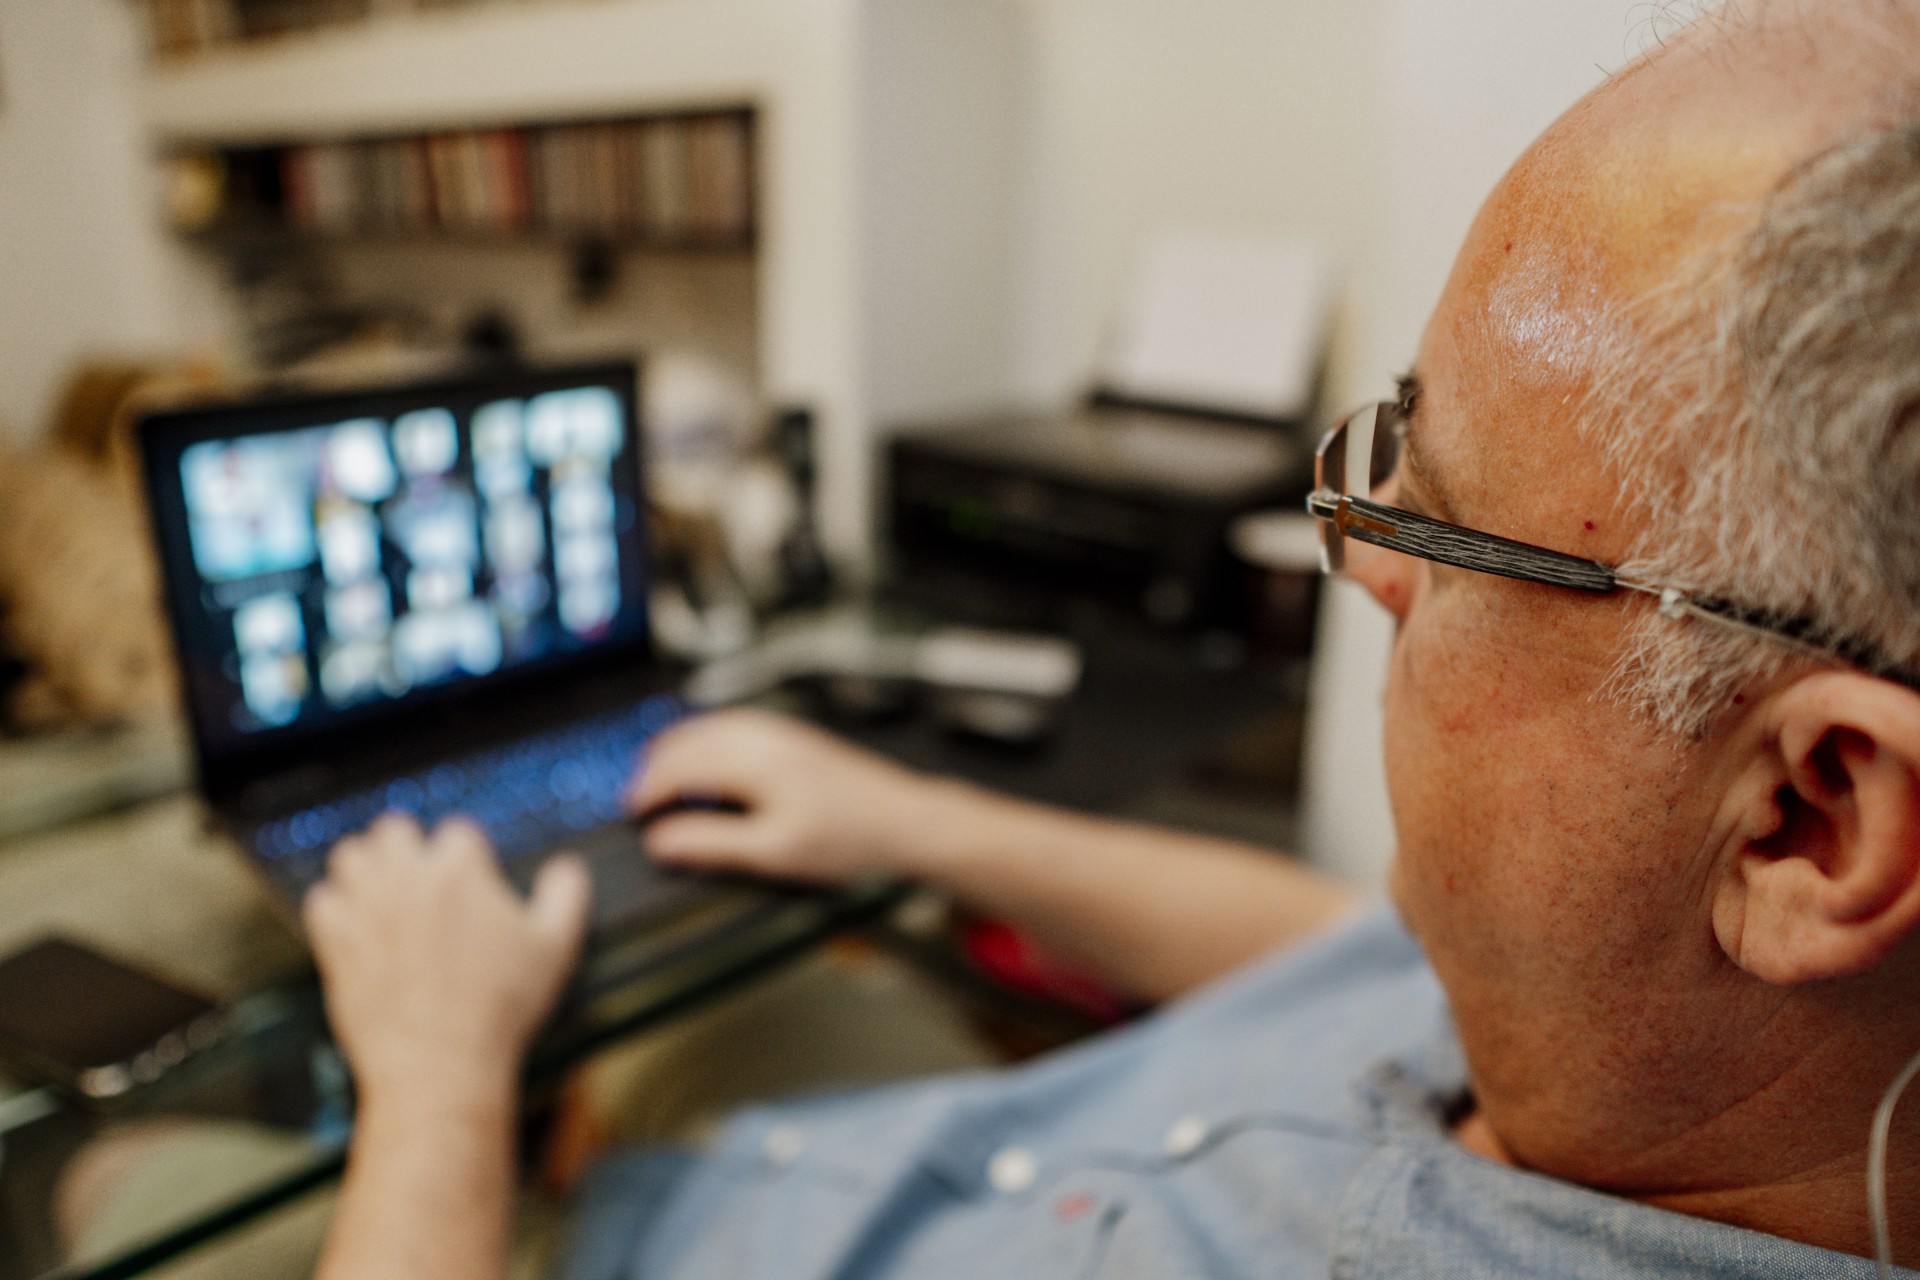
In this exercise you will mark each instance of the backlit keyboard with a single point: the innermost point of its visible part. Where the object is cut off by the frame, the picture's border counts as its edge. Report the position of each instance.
(528, 796)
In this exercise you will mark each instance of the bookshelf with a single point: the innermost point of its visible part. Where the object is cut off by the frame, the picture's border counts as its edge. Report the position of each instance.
(662, 182)
(882, 154)
(183, 28)
(188, 28)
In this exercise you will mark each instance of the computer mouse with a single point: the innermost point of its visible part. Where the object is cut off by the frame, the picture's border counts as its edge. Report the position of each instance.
(684, 804)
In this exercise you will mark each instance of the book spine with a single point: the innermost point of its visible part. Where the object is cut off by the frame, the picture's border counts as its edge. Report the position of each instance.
(665, 149)
(663, 181)
(417, 182)
(515, 186)
(445, 176)
(296, 188)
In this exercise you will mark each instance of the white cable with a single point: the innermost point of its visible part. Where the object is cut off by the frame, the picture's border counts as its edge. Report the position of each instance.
(1877, 1167)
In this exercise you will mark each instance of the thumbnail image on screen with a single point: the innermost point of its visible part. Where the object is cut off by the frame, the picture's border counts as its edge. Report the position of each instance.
(363, 560)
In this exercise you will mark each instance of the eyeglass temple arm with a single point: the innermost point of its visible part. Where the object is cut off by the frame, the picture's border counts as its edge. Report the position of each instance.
(1431, 539)
(1799, 633)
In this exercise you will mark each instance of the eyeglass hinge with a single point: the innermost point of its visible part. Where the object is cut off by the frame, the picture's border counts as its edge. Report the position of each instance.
(1346, 518)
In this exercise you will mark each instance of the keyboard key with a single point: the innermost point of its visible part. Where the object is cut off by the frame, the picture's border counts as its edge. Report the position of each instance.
(528, 797)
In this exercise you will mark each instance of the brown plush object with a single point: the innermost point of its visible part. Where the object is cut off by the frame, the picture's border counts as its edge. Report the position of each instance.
(79, 596)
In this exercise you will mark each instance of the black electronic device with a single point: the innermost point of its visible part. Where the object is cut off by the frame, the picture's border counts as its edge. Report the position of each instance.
(428, 598)
(1129, 504)
(92, 1026)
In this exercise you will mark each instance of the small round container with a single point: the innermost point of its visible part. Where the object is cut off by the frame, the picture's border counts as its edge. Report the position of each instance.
(1283, 550)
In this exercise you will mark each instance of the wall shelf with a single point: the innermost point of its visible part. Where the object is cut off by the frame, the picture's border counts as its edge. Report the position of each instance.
(883, 165)
(670, 182)
(474, 67)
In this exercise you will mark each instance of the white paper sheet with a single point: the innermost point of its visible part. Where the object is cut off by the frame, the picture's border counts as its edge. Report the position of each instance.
(1229, 323)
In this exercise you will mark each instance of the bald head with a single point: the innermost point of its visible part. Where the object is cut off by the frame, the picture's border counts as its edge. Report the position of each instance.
(1677, 154)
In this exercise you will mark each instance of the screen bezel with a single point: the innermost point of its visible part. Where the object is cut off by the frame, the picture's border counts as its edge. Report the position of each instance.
(228, 768)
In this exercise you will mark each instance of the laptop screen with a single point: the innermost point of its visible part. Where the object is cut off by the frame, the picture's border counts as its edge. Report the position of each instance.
(331, 560)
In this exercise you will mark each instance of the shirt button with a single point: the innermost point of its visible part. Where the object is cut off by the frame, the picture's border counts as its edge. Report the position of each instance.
(1012, 1170)
(783, 1144)
(1186, 1136)
(1074, 1206)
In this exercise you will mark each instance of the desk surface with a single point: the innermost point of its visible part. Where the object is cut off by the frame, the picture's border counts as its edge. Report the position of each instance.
(1156, 731)
(282, 1078)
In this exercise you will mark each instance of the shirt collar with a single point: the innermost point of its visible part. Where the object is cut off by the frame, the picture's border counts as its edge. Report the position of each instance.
(1425, 1205)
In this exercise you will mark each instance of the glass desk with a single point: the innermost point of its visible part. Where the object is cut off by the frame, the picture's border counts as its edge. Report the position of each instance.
(147, 884)
(1159, 730)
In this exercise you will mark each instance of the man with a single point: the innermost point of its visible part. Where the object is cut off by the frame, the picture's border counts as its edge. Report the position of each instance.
(1657, 798)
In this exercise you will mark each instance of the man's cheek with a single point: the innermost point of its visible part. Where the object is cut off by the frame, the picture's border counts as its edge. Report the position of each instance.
(1448, 727)
(1444, 685)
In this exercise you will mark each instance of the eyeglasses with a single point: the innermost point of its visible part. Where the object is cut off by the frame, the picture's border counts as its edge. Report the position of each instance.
(1363, 452)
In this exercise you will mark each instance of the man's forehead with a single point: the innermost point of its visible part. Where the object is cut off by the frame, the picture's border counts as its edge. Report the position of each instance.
(1668, 160)
(1671, 156)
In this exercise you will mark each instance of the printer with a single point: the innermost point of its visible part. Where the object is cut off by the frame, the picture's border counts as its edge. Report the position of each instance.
(1205, 408)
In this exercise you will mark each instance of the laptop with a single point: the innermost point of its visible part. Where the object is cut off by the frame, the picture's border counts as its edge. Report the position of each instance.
(429, 598)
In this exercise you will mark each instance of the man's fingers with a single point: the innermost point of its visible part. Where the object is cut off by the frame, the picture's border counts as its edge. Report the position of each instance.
(358, 858)
(460, 833)
(395, 827)
(360, 866)
(675, 765)
(318, 908)
(715, 754)
(562, 893)
(462, 841)
(706, 840)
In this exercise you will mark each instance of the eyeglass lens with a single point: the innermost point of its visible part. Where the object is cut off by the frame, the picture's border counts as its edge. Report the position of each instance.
(1357, 457)
(1375, 440)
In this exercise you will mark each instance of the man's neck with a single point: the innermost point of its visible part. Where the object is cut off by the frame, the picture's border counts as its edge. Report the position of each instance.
(1826, 1207)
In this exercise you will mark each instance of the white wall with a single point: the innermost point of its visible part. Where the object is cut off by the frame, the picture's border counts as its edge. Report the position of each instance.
(82, 264)
(1144, 115)
(941, 116)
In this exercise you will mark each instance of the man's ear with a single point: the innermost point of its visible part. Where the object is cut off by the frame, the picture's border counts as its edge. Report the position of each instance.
(1823, 878)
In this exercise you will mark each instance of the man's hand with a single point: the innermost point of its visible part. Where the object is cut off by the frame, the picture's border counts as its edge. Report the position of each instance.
(435, 970)
(1150, 912)
(437, 975)
(812, 807)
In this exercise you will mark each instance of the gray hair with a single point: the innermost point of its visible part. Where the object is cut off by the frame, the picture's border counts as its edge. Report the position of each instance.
(1768, 424)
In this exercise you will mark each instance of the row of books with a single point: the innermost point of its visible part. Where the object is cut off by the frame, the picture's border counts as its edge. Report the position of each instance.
(670, 181)
(178, 28)
(181, 28)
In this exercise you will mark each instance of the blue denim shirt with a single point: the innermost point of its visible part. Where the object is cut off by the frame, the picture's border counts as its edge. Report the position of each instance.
(1288, 1121)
